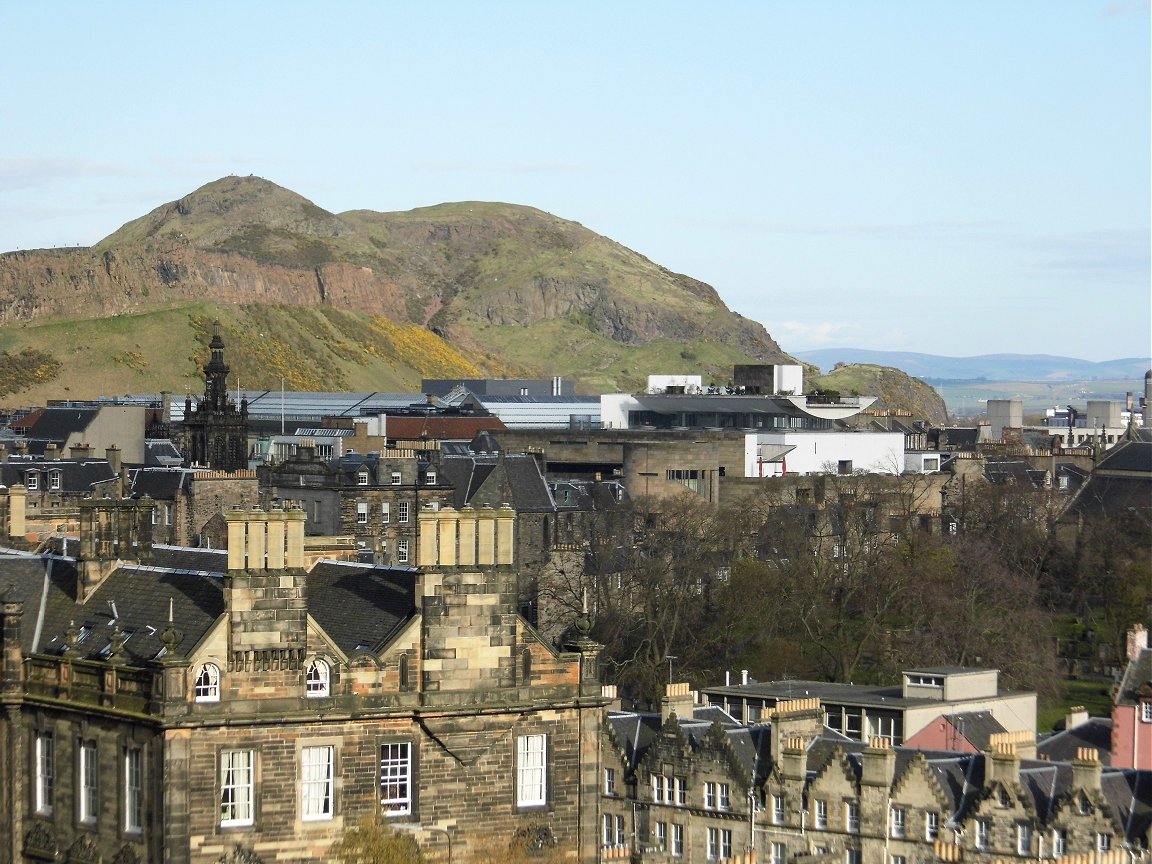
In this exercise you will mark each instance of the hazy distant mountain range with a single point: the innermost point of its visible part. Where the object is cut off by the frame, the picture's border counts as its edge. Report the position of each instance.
(990, 367)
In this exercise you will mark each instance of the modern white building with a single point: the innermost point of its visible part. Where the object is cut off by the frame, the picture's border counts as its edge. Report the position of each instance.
(779, 453)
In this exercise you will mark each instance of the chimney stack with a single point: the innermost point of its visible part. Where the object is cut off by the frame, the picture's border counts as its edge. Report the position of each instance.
(878, 766)
(1086, 769)
(1137, 641)
(1002, 764)
(678, 700)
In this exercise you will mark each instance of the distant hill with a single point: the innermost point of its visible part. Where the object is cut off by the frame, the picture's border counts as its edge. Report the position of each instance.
(360, 300)
(892, 387)
(512, 289)
(991, 367)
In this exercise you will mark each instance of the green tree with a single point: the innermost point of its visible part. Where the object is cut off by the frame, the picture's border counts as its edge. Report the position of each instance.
(373, 841)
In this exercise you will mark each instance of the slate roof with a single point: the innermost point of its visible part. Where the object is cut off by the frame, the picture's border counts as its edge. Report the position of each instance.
(1137, 673)
(161, 451)
(76, 476)
(1128, 456)
(162, 484)
(527, 487)
(360, 606)
(1061, 746)
(976, 726)
(133, 597)
(57, 423)
(635, 731)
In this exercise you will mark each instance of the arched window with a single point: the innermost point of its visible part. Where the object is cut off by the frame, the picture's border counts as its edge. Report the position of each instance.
(207, 687)
(319, 678)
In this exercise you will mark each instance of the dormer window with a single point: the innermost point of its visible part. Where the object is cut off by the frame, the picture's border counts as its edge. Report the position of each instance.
(430, 478)
(207, 687)
(54, 479)
(362, 477)
(32, 481)
(319, 679)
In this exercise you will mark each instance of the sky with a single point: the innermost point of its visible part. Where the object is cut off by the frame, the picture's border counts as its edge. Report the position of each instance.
(957, 177)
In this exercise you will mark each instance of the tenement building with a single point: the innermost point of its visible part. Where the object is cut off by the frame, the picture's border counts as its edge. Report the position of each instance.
(166, 704)
(691, 784)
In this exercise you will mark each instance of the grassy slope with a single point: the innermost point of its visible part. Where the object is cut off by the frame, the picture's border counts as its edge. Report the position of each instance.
(313, 349)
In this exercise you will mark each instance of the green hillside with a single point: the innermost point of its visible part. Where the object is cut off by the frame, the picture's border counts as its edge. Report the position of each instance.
(305, 349)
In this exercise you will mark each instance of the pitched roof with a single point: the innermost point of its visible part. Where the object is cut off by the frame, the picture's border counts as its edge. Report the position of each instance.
(57, 423)
(1061, 746)
(1137, 673)
(360, 606)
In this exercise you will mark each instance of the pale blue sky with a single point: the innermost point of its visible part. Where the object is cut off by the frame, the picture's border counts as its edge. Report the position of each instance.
(951, 177)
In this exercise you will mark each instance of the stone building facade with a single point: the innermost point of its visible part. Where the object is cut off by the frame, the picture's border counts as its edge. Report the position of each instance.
(693, 785)
(185, 706)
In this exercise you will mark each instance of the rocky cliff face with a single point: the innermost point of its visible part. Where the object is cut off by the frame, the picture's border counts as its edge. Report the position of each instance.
(244, 240)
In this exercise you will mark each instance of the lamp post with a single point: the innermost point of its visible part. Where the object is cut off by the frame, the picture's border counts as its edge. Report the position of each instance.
(413, 828)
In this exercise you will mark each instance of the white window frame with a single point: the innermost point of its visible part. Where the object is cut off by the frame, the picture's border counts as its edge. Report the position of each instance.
(55, 480)
(402, 550)
(361, 512)
(713, 844)
(677, 840)
(821, 815)
(396, 778)
(386, 513)
(133, 790)
(1059, 842)
(660, 836)
(779, 810)
(317, 783)
(725, 802)
(1146, 712)
(852, 817)
(430, 478)
(403, 512)
(362, 477)
(89, 773)
(613, 834)
(1103, 841)
(32, 481)
(981, 834)
(609, 781)
(318, 679)
(899, 823)
(206, 687)
(709, 796)
(778, 853)
(45, 789)
(237, 787)
(532, 770)
(1023, 838)
(931, 825)
(397, 480)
